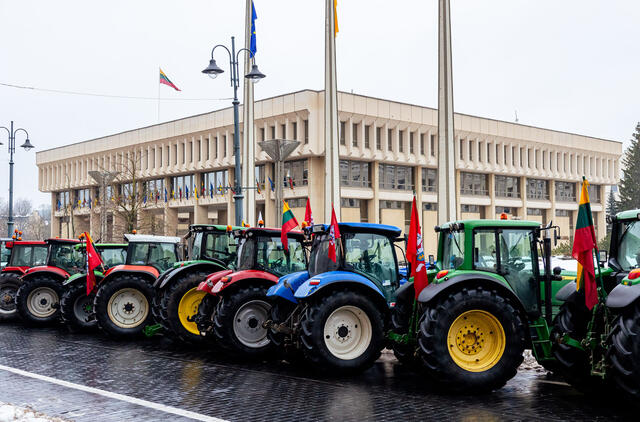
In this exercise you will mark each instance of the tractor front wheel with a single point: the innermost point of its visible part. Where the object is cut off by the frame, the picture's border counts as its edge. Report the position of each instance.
(9, 284)
(623, 353)
(122, 306)
(38, 300)
(76, 308)
(343, 332)
(471, 340)
(238, 319)
(180, 302)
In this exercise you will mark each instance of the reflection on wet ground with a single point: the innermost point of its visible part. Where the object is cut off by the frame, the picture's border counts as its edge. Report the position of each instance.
(205, 382)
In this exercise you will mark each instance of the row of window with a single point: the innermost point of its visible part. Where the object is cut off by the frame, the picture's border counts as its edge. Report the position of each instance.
(405, 142)
(283, 133)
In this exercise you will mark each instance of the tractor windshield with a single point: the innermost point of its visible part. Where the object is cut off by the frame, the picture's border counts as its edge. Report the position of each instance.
(319, 261)
(452, 249)
(67, 257)
(28, 256)
(113, 256)
(159, 255)
(267, 254)
(629, 249)
(5, 254)
(220, 246)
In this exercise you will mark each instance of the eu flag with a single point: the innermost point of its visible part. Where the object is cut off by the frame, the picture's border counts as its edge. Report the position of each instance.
(252, 46)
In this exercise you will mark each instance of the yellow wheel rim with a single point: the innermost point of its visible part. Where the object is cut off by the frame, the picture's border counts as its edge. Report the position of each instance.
(476, 341)
(188, 307)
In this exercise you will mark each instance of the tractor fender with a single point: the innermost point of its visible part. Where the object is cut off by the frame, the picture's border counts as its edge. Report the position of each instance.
(622, 296)
(318, 282)
(53, 272)
(164, 280)
(148, 272)
(241, 277)
(162, 277)
(287, 285)
(211, 280)
(566, 291)
(81, 279)
(434, 290)
(405, 293)
(16, 270)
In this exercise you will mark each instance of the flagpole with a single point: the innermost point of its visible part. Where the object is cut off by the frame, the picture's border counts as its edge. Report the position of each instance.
(332, 149)
(159, 96)
(248, 139)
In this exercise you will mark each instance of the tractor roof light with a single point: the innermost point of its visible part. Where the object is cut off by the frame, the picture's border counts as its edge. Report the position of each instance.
(229, 228)
(504, 216)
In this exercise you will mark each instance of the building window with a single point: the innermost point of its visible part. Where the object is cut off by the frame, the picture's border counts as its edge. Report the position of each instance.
(513, 156)
(297, 202)
(505, 210)
(182, 185)
(563, 213)
(429, 206)
(432, 141)
(167, 155)
(224, 145)
(594, 193)
(400, 141)
(470, 150)
(153, 190)
(82, 198)
(565, 191)
(175, 154)
(537, 189)
(507, 187)
(215, 147)
(461, 144)
(470, 208)
(354, 134)
(367, 129)
(349, 203)
(429, 180)
(379, 138)
(306, 131)
(294, 128)
(410, 142)
(422, 144)
(298, 171)
(273, 132)
(208, 148)
(260, 176)
(389, 140)
(343, 126)
(392, 205)
(355, 173)
(261, 137)
(473, 184)
(534, 211)
(395, 177)
(215, 182)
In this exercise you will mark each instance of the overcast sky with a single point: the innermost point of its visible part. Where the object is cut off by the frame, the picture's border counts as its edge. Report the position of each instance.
(564, 65)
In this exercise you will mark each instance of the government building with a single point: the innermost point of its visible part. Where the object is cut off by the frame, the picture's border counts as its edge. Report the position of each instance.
(388, 150)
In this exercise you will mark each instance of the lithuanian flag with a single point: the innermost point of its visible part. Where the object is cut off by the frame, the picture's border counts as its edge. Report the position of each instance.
(289, 223)
(165, 80)
(584, 243)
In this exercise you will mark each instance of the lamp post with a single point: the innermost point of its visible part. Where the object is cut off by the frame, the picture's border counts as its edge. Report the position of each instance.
(12, 149)
(255, 75)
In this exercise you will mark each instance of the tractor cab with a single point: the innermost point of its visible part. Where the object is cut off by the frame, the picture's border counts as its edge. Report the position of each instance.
(63, 255)
(624, 252)
(5, 251)
(261, 249)
(112, 254)
(212, 243)
(24, 255)
(365, 249)
(159, 252)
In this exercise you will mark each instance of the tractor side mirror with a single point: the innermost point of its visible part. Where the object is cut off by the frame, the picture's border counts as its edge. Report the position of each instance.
(557, 271)
(603, 257)
(556, 235)
(431, 260)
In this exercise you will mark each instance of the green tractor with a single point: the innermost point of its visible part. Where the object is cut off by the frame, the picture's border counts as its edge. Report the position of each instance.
(176, 300)
(489, 297)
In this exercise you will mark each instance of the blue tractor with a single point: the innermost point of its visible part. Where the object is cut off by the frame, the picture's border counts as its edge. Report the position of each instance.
(336, 314)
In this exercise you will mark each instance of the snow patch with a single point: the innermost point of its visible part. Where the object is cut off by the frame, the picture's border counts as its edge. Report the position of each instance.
(12, 413)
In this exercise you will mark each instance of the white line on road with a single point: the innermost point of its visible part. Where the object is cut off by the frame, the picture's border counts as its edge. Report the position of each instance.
(116, 396)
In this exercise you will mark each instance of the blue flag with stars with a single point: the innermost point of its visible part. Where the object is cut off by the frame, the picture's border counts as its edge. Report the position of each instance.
(252, 47)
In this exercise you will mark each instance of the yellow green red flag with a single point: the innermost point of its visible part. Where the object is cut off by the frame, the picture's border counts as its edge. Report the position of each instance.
(584, 244)
(166, 81)
(289, 223)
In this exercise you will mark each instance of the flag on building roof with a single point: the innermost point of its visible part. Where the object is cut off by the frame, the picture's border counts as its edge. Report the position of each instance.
(584, 244)
(334, 235)
(289, 222)
(166, 81)
(415, 252)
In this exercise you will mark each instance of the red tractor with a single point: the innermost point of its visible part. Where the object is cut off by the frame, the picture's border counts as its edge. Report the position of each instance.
(237, 306)
(38, 297)
(23, 255)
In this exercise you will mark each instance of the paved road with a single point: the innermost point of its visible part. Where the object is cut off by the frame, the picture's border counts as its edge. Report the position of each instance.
(152, 372)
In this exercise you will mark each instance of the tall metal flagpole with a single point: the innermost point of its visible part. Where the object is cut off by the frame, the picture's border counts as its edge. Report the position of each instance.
(332, 176)
(248, 138)
(158, 95)
(447, 195)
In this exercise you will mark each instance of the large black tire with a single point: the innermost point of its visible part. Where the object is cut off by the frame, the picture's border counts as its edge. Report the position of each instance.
(173, 317)
(281, 312)
(204, 317)
(400, 318)
(76, 308)
(9, 284)
(38, 300)
(623, 353)
(238, 319)
(124, 320)
(354, 321)
(491, 309)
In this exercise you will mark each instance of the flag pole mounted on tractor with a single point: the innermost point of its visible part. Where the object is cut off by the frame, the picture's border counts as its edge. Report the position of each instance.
(255, 75)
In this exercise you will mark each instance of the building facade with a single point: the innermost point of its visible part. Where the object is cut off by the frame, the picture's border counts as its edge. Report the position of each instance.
(388, 150)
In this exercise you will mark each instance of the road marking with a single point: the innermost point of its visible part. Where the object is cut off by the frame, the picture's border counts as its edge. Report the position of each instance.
(116, 396)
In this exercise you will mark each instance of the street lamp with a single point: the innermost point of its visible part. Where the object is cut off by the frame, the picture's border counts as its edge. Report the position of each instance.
(12, 149)
(254, 75)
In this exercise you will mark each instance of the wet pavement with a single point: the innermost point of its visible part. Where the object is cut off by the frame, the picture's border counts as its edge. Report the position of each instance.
(201, 381)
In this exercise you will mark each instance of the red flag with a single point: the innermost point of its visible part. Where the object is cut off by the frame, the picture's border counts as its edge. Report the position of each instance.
(334, 234)
(415, 252)
(290, 182)
(93, 261)
(308, 217)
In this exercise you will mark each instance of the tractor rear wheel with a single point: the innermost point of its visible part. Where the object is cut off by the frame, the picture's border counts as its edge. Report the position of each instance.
(238, 319)
(471, 340)
(342, 332)
(76, 308)
(180, 302)
(623, 353)
(406, 353)
(573, 363)
(9, 284)
(38, 300)
(122, 306)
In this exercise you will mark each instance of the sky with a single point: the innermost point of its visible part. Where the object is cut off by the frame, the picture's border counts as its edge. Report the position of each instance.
(565, 65)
